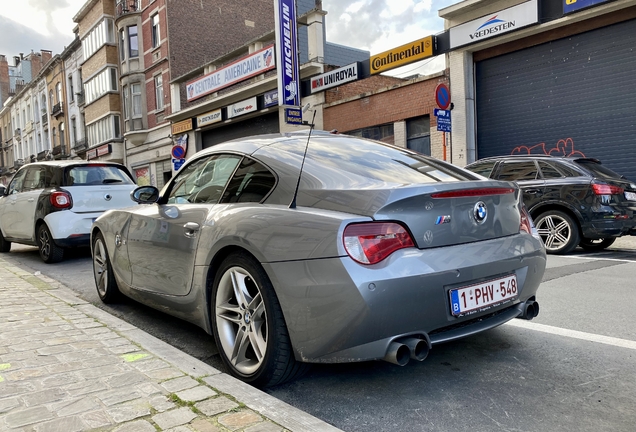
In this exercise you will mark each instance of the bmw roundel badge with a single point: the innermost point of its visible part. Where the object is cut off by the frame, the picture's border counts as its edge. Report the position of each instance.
(480, 212)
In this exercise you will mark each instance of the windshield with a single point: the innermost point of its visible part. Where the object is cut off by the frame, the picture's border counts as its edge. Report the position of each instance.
(92, 175)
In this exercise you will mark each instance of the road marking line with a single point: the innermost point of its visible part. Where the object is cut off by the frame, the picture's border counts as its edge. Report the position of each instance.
(607, 340)
(597, 258)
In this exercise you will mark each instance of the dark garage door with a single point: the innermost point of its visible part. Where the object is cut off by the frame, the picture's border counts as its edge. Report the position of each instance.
(264, 124)
(574, 96)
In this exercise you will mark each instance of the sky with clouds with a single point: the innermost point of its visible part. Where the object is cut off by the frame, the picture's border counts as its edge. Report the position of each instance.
(374, 25)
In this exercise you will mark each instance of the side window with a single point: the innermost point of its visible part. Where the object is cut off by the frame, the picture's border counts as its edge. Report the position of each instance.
(548, 171)
(251, 183)
(203, 181)
(483, 168)
(34, 179)
(516, 171)
(16, 183)
(568, 171)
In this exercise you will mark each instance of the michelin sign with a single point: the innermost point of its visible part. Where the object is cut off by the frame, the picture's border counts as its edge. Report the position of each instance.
(287, 53)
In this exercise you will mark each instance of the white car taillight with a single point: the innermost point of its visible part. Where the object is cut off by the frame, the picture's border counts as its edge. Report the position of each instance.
(370, 243)
(61, 200)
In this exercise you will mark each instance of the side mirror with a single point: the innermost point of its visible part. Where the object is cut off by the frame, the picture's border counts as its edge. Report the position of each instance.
(3, 190)
(145, 195)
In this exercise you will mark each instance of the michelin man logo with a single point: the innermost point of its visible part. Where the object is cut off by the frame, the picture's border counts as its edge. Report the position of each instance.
(291, 88)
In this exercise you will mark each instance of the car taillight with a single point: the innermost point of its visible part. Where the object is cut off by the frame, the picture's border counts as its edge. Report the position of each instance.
(370, 243)
(526, 224)
(467, 193)
(61, 200)
(605, 189)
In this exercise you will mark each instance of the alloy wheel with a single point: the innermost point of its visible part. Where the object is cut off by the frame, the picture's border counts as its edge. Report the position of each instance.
(241, 320)
(45, 243)
(555, 231)
(100, 267)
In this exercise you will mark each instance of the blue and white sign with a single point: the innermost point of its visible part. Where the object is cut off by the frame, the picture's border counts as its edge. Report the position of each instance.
(574, 5)
(270, 98)
(443, 120)
(255, 64)
(177, 163)
(294, 116)
(287, 52)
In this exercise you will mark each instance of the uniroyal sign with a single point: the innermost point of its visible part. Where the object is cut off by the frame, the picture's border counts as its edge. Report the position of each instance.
(491, 25)
(242, 107)
(247, 67)
(334, 78)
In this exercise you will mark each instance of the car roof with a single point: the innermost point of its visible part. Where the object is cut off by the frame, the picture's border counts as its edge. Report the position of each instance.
(70, 162)
(536, 156)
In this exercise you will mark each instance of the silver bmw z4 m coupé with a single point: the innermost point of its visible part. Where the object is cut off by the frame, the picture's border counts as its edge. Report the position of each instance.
(356, 251)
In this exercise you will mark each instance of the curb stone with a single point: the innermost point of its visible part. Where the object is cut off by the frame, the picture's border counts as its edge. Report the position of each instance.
(142, 367)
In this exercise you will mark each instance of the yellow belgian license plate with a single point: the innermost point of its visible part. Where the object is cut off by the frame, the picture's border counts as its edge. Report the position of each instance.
(474, 298)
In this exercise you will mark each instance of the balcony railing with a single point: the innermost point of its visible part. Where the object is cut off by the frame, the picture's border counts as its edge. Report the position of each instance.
(80, 145)
(57, 109)
(125, 7)
(57, 150)
(45, 119)
(80, 98)
(17, 132)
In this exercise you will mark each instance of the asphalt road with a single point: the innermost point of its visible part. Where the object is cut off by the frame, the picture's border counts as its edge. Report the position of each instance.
(572, 368)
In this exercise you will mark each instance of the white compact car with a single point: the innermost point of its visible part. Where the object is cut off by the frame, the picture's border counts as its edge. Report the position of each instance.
(53, 204)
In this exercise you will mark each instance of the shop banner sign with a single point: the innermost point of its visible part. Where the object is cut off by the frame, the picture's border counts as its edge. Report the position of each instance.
(498, 23)
(247, 67)
(270, 98)
(334, 78)
(402, 55)
(287, 52)
(209, 118)
(243, 107)
(574, 5)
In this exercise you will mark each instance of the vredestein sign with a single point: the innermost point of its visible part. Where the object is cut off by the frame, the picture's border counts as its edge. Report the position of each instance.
(402, 55)
(287, 53)
(495, 24)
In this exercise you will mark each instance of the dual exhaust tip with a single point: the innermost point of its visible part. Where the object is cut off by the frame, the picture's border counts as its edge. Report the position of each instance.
(402, 350)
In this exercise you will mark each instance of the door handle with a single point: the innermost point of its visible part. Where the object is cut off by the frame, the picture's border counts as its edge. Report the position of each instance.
(533, 191)
(191, 229)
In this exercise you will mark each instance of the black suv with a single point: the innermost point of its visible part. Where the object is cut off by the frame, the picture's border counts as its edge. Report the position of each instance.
(574, 201)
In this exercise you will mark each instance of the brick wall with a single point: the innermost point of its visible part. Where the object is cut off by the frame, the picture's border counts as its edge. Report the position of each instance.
(109, 103)
(376, 108)
(203, 31)
(105, 55)
(4, 80)
(357, 88)
(94, 15)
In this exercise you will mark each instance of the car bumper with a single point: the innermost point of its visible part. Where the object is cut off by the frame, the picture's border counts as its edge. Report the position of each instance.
(610, 226)
(339, 311)
(70, 229)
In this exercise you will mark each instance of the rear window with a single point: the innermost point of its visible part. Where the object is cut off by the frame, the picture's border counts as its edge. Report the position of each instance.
(597, 169)
(94, 175)
(348, 162)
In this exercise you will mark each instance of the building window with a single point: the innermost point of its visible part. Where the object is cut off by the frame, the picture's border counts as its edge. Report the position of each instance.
(101, 83)
(73, 130)
(28, 113)
(53, 137)
(51, 100)
(71, 89)
(159, 91)
(105, 129)
(102, 33)
(39, 143)
(122, 45)
(62, 142)
(418, 134)
(58, 89)
(133, 41)
(155, 31)
(43, 104)
(136, 100)
(382, 133)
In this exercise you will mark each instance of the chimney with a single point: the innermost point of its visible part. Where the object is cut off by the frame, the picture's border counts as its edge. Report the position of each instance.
(16, 60)
(46, 56)
(21, 56)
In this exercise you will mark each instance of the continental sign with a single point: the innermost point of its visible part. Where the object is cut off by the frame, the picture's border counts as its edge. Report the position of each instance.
(402, 55)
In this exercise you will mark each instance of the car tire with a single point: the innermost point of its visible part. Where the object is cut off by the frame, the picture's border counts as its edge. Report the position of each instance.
(559, 232)
(105, 282)
(5, 245)
(248, 324)
(598, 244)
(49, 251)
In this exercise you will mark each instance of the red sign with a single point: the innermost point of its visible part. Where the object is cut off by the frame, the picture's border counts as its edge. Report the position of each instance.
(442, 96)
(178, 152)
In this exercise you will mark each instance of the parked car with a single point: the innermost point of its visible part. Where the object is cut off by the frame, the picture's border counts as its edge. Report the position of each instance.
(381, 254)
(53, 204)
(573, 200)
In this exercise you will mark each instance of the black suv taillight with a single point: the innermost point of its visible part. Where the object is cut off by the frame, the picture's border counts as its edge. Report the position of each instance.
(61, 200)
(605, 189)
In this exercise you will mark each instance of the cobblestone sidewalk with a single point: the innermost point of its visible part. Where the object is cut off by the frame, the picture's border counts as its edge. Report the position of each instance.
(66, 366)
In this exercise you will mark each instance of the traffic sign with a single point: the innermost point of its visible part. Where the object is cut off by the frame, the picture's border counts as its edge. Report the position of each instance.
(442, 96)
(178, 163)
(443, 120)
(178, 152)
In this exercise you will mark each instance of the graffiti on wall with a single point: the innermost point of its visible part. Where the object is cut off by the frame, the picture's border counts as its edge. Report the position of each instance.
(563, 147)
